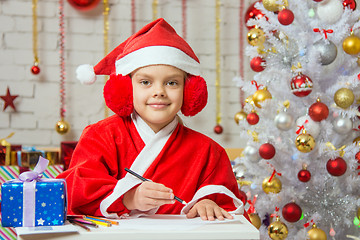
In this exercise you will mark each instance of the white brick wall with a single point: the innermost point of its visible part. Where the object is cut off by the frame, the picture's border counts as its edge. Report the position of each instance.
(38, 104)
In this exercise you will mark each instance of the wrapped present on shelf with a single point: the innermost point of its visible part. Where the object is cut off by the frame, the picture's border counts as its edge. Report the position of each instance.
(8, 173)
(29, 156)
(32, 200)
(66, 151)
(5, 151)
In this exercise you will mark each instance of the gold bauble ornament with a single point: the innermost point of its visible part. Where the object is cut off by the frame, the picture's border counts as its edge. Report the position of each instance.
(344, 97)
(305, 142)
(278, 230)
(239, 116)
(274, 186)
(351, 45)
(256, 37)
(62, 126)
(260, 96)
(273, 5)
(255, 220)
(316, 234)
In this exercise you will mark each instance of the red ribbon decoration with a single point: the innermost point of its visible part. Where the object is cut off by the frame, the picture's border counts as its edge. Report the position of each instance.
(253, 82)
(301, 127)
(324, 31)
(273, 173)
(276, 212)
(252, 203)
(308, 223)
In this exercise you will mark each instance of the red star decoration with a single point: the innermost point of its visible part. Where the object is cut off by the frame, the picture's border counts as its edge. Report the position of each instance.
(9, 100)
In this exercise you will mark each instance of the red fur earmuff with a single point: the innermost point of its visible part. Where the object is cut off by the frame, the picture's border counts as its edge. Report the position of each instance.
(195, 96)
(118, 94)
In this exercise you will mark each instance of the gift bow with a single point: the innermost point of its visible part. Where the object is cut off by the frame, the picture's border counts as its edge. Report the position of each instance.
(35, 174)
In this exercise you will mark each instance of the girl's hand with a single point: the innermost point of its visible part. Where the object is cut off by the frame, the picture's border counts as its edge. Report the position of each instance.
(148, 195)
(208, 210)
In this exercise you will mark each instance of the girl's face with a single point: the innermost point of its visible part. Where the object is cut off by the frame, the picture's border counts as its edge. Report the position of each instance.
(158, 94)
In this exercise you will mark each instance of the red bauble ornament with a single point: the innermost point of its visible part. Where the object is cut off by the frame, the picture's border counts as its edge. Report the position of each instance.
(254, 13)
(317, 0)
(350, 4)
(292, 212)
(336, 167)
(267, 151)
(301, 85)
(357, 157)
(218, 129)
(304, 175)
(286, 17)
(35, 69)
(257, 64)
(318, 111)
(84, 5)
(252, 118)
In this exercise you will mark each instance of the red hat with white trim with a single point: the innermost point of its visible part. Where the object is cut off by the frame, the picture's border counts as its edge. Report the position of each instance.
(156, 43)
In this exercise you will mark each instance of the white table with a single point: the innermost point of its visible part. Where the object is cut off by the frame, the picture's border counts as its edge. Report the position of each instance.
(160, 227)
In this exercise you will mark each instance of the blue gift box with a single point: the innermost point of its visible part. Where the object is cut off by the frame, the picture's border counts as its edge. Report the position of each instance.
(43, 204)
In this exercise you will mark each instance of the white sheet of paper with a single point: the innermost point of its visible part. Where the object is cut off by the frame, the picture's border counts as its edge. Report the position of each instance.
(46, 229)
(166, 222)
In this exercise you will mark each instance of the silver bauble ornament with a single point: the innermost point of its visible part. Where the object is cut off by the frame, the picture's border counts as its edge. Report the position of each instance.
(327, 51)
(284, 121)
(311, 127)
(251, 153)
(239, 170)
(342, 125)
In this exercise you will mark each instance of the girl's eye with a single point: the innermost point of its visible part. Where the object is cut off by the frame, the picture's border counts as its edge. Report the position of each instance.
(145, 82)
(172, 83)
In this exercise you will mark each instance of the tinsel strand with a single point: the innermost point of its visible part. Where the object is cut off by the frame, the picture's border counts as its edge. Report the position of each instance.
(35, 32)
(62, 59)
(133, 17)
(106, 10)
(184, 19)
(218, 69)
(155, 9)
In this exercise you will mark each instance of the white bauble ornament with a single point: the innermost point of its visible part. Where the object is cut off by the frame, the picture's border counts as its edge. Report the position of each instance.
(342, 125)
(284, 121)
(251, 153)
(329, 11)
(311, 127)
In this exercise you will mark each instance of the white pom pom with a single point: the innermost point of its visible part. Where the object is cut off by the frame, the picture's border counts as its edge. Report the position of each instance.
(85, 74)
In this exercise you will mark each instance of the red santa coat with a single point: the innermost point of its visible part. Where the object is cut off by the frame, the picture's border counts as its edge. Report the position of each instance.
(190, 163)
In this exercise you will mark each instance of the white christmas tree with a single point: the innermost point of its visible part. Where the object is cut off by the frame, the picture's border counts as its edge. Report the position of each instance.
(302, 155)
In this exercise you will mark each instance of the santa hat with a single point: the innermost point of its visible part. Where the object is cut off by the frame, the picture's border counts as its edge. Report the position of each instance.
(156, 43)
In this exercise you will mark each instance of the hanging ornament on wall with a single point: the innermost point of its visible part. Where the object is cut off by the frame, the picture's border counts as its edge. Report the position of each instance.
(218, 129)
(62, 126)
(330, 11)
(35, 69)
(351, 4)
(301, 85)
(311, 127)
(304, 175)
(252, 13)
(305, 142)
(344, 98)
(342, 125)
(292, 212)
(9, 100)
(84, 5)
(351, 44)
(258, 64)
(286, 17)
(318, 111)
(277, 230)
(267, 151)
(274, 5)
(316, 233)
